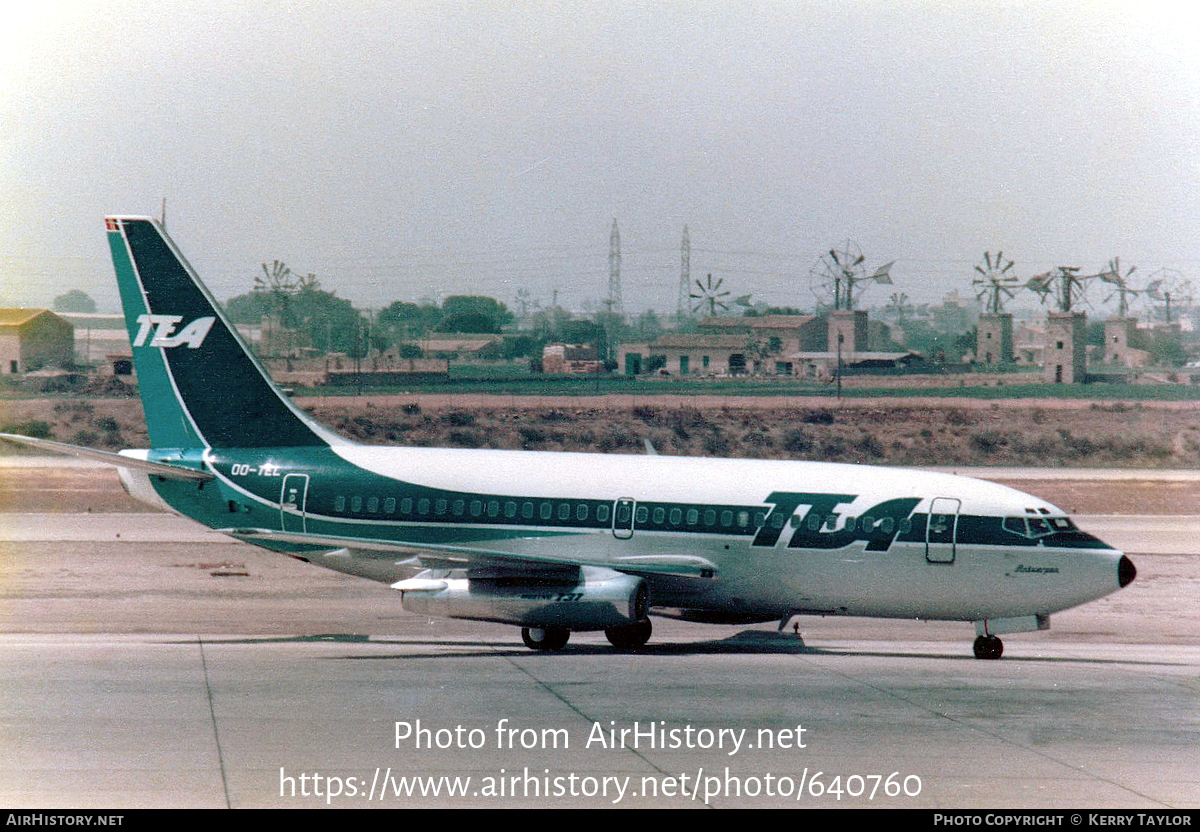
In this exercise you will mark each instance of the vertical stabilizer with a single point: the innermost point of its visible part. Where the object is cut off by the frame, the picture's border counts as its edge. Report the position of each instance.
(200, 385)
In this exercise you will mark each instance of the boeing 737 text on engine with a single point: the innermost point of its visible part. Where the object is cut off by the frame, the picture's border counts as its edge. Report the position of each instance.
(563, 542)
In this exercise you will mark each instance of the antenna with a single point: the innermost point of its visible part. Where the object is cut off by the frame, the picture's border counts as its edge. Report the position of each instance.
(685, 276)
(614, 270)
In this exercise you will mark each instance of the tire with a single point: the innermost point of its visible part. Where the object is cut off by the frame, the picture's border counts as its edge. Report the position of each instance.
(631, 637)
(545, 638)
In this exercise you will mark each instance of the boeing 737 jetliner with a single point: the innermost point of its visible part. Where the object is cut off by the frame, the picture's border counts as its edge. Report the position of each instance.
(562, 542)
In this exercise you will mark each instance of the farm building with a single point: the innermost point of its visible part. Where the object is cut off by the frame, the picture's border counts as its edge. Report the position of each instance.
(31, 339)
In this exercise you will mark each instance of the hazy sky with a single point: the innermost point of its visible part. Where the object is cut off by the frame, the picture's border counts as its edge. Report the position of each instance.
(402, 150)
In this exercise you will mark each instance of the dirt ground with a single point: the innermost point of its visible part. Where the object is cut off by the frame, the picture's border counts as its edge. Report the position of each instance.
(98, 489)
(912, 432)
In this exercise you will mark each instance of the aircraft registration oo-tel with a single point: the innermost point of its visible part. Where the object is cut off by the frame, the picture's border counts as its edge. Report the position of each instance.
(563, 542)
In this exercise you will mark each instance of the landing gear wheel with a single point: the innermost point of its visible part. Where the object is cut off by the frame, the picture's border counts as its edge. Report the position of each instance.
(545, 638)
(989, 647)
(631, 637)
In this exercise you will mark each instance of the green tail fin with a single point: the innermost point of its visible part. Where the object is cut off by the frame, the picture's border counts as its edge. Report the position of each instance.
(200, 385)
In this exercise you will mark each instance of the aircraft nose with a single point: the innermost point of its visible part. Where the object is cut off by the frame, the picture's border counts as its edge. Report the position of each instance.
(1126, 572)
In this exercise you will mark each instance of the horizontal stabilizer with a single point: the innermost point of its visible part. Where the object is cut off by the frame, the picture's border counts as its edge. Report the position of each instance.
(161, 469)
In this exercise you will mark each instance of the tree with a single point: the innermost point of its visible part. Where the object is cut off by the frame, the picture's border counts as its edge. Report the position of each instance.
(310, 316)
(473, 313)
(75, 301)
(403, 321)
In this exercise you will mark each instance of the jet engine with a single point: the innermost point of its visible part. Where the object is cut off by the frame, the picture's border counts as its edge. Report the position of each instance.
(598, 599)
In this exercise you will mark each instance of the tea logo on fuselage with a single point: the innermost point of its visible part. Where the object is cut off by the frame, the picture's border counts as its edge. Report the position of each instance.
(164, 331)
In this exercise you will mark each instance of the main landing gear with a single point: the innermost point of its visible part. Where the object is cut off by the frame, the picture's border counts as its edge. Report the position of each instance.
(988, 647)
(629, 637)
(545, 638)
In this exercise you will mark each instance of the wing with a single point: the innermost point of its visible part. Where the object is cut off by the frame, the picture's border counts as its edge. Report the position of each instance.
(482, 562)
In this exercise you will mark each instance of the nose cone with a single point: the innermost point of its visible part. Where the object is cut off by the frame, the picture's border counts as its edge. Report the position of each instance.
(1126, 572)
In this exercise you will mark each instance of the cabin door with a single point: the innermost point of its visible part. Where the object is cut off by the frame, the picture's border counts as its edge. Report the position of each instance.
(292, 501)
(941, 530)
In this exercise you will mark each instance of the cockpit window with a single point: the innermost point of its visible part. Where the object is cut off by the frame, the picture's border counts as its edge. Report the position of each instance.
(1036, 527)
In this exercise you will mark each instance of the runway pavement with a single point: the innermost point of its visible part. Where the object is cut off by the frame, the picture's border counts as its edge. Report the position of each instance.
(168, 666)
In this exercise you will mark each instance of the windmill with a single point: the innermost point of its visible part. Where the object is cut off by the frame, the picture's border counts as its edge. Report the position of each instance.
(526, 302)
(1120, 282)
(841, 270)
(898, 306)
(1064, 283)
(709, 294)
(994, 281)
(1169, 287)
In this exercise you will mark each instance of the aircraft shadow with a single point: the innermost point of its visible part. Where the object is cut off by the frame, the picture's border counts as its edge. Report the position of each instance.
(747, 642)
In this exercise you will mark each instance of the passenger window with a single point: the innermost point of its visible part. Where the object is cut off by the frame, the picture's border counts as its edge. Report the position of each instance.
(406, 505)
(440, 507)
(642, 514)
(389, 505)
(459, 507)
(510, 509)
(660, 514)
(547, 511)
(564, 511)
(493, 508)
(422, 506)
(710, 517)
(693, 516)
(476, 508)
(339, 503)
(581, 512)
(743, 519)
(372, 504)
(676, 516)
(726, 518)
(602, 513)
(527, 510)
(356, 504)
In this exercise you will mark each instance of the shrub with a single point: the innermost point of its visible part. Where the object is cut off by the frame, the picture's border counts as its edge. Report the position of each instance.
(33, 427)
(458, 418)
(797, 442)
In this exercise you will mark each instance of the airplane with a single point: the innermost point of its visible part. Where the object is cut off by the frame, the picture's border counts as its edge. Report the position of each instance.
(557, 543)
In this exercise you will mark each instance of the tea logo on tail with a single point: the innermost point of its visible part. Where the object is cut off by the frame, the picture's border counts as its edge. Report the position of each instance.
(164, 331)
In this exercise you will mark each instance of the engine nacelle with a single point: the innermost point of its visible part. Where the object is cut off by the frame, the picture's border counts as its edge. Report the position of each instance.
(600, 599)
